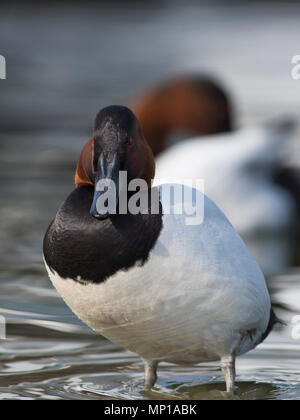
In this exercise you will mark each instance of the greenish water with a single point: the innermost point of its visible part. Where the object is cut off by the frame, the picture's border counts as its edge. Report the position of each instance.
(58, 77)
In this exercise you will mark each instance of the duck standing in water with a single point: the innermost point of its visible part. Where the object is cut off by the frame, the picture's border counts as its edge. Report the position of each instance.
(152, 283)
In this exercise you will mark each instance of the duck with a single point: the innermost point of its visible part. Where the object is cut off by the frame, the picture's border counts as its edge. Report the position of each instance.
(195, 104)
(150, 278)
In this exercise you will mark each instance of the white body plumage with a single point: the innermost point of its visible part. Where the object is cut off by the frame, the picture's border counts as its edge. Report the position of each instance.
(199, 297)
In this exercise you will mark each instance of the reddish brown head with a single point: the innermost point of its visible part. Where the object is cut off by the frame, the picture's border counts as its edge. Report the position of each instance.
(84, 171)
(118, 144)
(193, 105)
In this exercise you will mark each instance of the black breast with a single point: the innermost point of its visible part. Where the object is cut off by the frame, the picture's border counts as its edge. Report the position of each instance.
(80, 247)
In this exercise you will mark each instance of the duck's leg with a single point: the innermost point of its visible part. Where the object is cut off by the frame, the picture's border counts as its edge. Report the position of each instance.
(228, 369)
(150, 373)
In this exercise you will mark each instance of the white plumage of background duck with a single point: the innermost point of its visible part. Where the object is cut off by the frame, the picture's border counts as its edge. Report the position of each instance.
(239, 170)
(151, 283)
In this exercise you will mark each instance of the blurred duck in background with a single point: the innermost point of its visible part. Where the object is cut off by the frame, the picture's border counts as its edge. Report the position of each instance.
(243, 170)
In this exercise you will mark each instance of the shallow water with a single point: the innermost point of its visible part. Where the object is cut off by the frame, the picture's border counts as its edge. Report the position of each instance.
(58, 77)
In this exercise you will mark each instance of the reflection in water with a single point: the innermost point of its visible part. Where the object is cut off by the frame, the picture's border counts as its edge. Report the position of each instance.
(52, 92)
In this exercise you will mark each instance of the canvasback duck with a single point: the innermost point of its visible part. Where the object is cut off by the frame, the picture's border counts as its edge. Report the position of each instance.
(185, 104)
(151, 281)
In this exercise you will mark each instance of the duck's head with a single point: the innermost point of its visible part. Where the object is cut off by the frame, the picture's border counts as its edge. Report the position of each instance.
(188, 104)
(118, 144)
